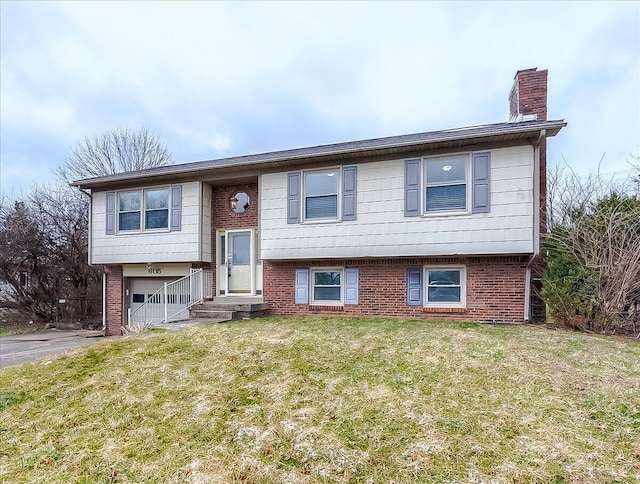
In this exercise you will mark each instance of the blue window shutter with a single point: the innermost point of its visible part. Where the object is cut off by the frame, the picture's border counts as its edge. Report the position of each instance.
(481, 182)
(176, 208)
(412, 188)
(302, 286)
(111, 213)
(351, 286)
(293, 197)
(349, 196)
(414, 287)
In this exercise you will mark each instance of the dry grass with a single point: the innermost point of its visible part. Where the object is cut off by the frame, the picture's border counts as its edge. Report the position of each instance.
(328, 400)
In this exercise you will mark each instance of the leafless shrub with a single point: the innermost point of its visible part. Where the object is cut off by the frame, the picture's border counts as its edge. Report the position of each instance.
(592, 282)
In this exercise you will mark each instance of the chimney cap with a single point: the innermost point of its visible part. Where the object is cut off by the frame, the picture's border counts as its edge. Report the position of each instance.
(531, 69)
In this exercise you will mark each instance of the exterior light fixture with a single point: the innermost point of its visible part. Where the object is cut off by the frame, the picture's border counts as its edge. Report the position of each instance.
(233, 202)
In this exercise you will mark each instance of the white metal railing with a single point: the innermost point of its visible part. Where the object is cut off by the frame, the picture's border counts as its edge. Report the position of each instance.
(173, 300)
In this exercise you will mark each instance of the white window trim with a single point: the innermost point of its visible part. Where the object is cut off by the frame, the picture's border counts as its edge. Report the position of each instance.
(463, 286)
(143, 211)
(118, 211)
(303, 214)
(468, 182)
(323, 302)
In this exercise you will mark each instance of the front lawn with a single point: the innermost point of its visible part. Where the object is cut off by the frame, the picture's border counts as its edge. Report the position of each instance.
(328, 400)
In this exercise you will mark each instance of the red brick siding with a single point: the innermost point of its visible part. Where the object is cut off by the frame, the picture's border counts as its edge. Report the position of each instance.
(224, 218)
(495, 288)
(114, 300)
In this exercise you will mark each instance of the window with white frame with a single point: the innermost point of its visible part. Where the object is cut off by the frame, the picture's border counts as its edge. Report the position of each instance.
(129, 210)
(446, 182)
(327, 286)
(132, 216)
(321, 194)
(445, 286)
(156, 208)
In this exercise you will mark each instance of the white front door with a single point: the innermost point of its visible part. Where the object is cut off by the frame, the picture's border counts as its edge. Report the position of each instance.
(239, 262)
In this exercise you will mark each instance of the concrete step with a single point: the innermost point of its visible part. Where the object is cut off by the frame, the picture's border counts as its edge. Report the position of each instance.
(222, 314)
(248, 307)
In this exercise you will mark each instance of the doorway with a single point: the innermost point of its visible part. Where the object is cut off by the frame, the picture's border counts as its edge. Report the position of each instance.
(236, 264)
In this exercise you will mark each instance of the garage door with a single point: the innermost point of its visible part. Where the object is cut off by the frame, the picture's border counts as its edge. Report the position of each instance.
(143, 290)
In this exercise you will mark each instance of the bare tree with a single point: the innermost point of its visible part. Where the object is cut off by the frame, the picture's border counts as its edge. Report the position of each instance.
(43, 242)
(115, 151)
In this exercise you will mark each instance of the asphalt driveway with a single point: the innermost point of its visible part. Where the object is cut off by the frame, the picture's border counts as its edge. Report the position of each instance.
(22, 348)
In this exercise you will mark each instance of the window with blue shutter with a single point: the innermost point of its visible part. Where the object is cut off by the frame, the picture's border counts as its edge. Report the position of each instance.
(414, 287)
(351, 286)
(349, 197)
(481, 182)
(302, 286)
(459, 183)
(149, 209)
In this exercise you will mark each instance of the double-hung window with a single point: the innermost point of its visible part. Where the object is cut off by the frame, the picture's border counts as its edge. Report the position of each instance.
(143, 208)
(156, 208)
(445, 286)
(129, 210)
(327, 286)
(446, 184)
(321, 195)
(437, 286)
(455, 184)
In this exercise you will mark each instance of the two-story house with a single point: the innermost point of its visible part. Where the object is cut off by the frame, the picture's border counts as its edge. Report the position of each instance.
(435, 225)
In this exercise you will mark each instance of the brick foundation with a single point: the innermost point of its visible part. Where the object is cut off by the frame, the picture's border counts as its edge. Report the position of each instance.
(114, 300)
(495, 288)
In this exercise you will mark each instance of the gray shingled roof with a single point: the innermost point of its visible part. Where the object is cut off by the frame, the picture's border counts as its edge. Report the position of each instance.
(377, 146)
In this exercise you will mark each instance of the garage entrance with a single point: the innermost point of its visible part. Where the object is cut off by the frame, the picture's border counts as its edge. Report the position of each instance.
(149, 289)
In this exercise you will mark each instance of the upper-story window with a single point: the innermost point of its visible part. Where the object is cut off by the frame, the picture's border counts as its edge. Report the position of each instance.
(152, 209)
(155, 215)
(456, 184)
(321, 195)
(129, 210)
(156, 208)
(446, 183)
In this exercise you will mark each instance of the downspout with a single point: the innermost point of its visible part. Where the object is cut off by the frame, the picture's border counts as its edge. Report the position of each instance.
(104, 301)
(536, 224)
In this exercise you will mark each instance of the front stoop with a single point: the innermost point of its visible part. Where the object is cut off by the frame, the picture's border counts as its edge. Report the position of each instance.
(228, 310)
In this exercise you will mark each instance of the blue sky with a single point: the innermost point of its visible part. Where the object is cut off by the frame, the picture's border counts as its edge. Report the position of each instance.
(221, 79)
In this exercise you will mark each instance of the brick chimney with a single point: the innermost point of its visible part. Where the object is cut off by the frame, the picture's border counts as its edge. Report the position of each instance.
(528, 97)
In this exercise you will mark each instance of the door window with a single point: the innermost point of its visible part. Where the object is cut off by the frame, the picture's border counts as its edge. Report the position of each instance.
(240, 250)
